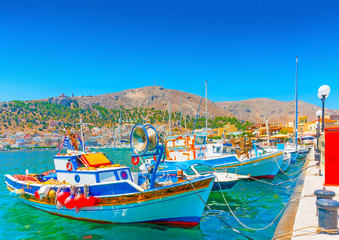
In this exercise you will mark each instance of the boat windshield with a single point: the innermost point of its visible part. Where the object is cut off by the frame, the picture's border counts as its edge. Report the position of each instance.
(203, 169)
(199, 140)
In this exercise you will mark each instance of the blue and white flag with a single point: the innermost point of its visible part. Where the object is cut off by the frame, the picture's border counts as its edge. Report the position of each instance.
(80, 141)
(68, 144)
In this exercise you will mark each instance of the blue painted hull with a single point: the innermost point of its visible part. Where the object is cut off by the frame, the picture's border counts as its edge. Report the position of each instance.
(298, 155)
(265, 166)
(285, 164)
(223, 185)
(180, 206)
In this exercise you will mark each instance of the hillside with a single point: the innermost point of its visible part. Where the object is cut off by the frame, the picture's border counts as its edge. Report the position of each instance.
(154, 97)
(147, 104)
(256, 109)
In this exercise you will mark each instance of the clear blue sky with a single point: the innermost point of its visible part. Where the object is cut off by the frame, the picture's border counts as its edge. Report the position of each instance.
(245, 49)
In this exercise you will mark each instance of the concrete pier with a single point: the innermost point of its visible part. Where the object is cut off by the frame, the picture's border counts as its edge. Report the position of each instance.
(304, 214)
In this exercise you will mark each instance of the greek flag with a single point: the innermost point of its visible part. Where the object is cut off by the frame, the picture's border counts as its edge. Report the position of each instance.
(68, 144)
(80, 141)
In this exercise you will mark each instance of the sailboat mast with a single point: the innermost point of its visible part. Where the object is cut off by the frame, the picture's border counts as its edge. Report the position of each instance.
(296, 104)
(268, 133)
(180, 111)
(119, 129)
(169, 113)
(206, 105)
(82, 136)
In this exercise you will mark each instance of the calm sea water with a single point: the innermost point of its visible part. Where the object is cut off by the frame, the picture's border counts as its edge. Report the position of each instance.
(19, 221)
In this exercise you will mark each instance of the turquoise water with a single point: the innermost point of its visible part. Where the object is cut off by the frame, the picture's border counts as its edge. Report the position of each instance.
(19, 221)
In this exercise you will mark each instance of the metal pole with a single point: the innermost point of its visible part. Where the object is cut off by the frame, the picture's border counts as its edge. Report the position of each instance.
(180, 111)
(318, 133)
(323, 114)
(170, 115)
(268, 135)
(296, 104)
(206, 106)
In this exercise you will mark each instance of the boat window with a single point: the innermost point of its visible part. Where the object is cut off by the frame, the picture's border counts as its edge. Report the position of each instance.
(228, 150)
(79, 162)
(216, 149)
(189, 171)
(199, 140)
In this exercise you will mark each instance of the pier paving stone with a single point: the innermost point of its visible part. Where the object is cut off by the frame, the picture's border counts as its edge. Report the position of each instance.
(306, 213)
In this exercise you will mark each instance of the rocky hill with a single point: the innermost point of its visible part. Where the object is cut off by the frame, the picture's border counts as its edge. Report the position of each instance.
(253, 110)
(256, 109)
(154, 97)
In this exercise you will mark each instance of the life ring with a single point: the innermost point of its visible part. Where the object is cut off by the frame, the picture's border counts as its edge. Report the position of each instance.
(69, 166)
(135, 160)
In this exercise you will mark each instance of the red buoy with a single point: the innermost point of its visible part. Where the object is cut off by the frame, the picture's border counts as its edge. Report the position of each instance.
(62, 195)
(135, 160)
(79, 200)
(36, 194)
(69, 202)
(90, 201)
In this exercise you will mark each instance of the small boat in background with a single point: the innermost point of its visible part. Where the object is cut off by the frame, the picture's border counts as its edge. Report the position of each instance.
(286, 162)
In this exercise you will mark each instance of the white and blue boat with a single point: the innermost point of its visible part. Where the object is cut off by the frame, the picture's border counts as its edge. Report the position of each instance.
(257, 163)
(88, 186)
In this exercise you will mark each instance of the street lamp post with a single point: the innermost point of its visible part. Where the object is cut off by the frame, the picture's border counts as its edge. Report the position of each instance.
(323, 93)
(318, 114)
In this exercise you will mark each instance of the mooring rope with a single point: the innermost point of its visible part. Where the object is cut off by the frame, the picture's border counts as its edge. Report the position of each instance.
(255, 229)
(287, 174)
(317, 230)
(220, 219)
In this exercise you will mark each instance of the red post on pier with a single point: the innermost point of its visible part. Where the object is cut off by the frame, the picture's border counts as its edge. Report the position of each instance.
(332, 156)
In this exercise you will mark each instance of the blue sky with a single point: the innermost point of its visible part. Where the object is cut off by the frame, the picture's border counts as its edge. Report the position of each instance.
(245, 49)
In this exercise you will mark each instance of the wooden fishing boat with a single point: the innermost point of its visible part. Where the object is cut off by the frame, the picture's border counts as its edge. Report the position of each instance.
(243, 161)
(88, 186)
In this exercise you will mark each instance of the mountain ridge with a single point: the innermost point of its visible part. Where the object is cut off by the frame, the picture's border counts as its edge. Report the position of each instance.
(253, 110)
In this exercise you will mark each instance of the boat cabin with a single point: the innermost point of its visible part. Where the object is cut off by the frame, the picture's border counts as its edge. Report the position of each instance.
(88, 168)
(186, 147)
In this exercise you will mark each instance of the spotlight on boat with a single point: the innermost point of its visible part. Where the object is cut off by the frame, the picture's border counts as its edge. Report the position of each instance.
(139, 139)
(153, 139)
(143, 139)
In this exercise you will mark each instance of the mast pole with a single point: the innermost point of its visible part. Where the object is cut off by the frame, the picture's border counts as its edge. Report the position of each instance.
(296, 104)
(180, 111)
(170, 115)
(206, 105)
(268, 134)
(82, 136)
(119, 129)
